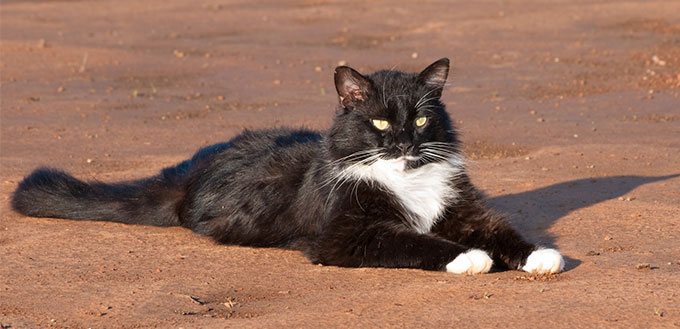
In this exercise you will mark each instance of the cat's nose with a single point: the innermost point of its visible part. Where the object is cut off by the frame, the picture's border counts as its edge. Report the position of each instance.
(405, 147)
(403, 142)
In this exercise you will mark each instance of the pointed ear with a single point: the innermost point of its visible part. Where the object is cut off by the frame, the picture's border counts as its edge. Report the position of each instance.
(352, 87)
(435, 75)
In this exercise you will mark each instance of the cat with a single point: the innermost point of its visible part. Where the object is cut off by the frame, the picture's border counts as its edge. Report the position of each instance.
(385, 186)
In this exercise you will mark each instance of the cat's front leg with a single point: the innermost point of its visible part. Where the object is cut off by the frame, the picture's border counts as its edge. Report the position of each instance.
(544, 261)
(350, 245)
(489, 231)
(473, 261)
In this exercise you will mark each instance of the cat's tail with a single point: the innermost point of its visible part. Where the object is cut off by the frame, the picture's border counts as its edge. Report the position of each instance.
(53, 193)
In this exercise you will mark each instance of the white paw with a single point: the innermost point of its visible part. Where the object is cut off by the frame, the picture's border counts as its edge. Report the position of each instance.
(473, 261)
(544, 261)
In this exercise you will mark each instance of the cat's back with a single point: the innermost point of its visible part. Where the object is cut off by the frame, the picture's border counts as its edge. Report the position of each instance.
(254, 178)
(271, 148)
(253, 150)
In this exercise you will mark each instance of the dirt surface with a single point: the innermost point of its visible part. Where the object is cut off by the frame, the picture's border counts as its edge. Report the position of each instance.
(569, 110)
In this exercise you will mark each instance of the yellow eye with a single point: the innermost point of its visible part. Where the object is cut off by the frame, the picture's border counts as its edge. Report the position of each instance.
(380, 124)
(421, 121)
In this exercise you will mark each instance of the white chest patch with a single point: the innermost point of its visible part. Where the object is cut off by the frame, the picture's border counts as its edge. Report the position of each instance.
(424, 192)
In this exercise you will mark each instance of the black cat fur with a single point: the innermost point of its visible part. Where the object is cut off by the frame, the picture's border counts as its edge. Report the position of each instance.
(288, 188)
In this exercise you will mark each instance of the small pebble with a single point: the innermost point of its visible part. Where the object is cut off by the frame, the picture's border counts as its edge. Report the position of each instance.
(658, 61)
(414, 55)
(643, 266)
(318, 69)
(592, 253)
(607, 238)
(342, 63)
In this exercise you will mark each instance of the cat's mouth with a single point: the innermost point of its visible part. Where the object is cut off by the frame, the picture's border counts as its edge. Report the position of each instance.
(404, 162)
(404, 159)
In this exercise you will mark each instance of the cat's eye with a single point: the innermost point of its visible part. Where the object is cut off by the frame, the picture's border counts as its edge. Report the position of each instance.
(421, 121)
(380, 124)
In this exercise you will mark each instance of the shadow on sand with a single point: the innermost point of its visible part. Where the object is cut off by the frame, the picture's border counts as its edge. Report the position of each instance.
(534, 212)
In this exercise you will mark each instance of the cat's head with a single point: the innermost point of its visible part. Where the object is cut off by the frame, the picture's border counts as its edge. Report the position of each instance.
(392, 115)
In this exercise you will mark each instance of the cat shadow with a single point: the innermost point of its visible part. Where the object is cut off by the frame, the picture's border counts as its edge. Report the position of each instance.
(534, 212)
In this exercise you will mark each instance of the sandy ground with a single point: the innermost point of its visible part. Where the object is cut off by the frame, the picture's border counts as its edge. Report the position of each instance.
(569, 110)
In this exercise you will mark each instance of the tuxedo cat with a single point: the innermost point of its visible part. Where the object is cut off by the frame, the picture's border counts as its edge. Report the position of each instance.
(385, 186)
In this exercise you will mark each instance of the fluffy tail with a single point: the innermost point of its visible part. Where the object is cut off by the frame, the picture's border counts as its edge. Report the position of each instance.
(54, 193)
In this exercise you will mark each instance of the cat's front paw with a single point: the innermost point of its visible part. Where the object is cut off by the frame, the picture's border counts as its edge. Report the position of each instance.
(474, 261)
(544, 261)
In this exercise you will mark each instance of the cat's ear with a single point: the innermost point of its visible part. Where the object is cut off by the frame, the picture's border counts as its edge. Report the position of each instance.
(352, 87)
(435, 75)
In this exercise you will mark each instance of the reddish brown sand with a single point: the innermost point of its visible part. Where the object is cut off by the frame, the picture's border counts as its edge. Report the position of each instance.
(569, 110)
